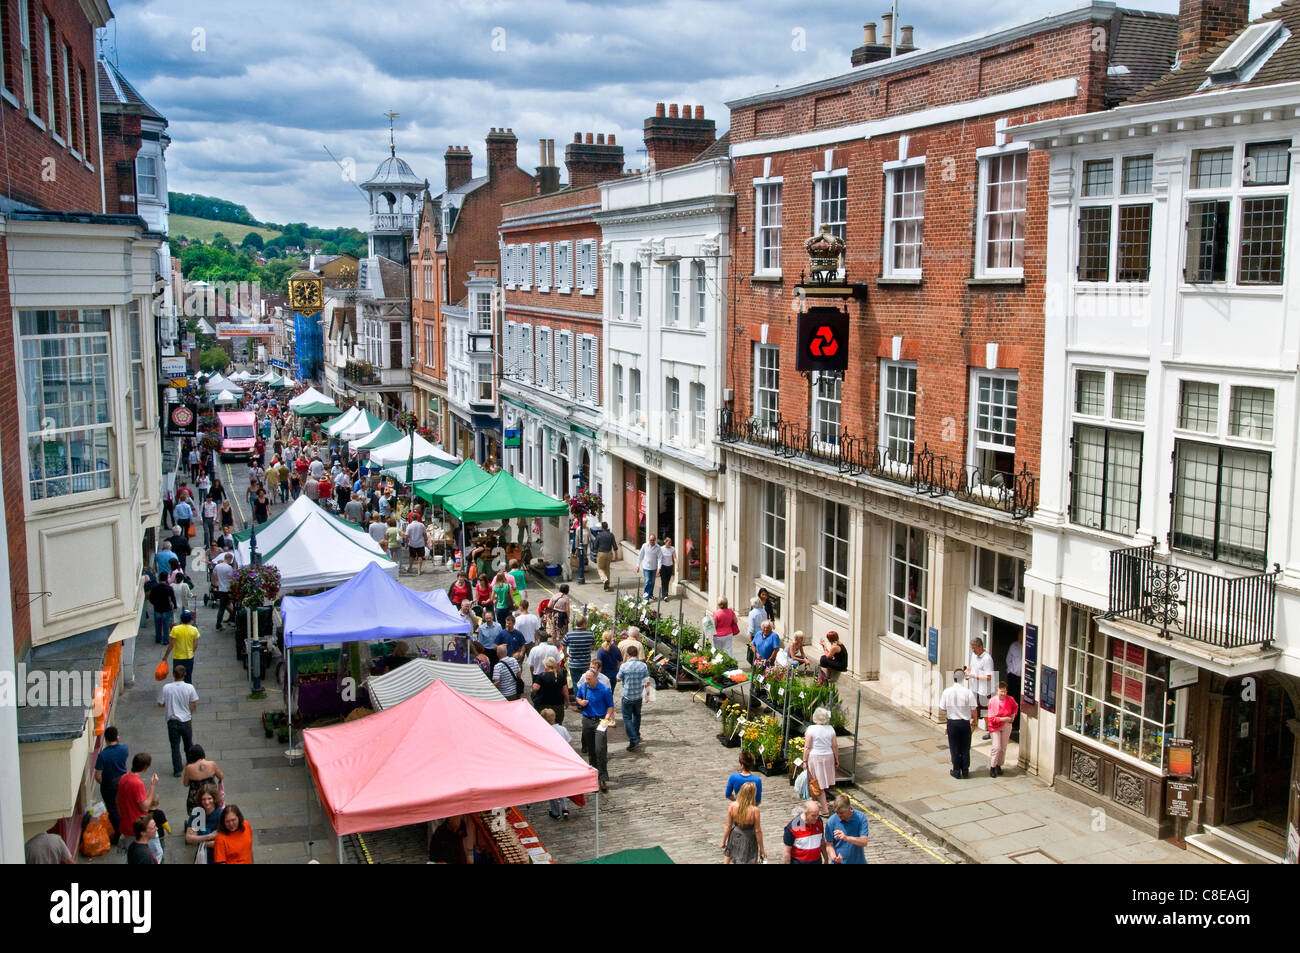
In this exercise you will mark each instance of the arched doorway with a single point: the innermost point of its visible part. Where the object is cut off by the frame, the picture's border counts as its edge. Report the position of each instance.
(562, 488)
(584, 473)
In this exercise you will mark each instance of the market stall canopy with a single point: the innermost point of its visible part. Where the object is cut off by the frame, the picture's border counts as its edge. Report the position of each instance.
(279, 383)
(425, 470)
(502, 497)
(406, 446)
(349, 419)
(268, 377)
(437, 754)
(407, 681)
(216, 384)
(468, 474)
(313, 548)
(364, 424)
(318, 410)
(240, 376)
(370, 605)
(310, 396)
(384, 434)
(439, 599)
(226, 397)
(633, 855)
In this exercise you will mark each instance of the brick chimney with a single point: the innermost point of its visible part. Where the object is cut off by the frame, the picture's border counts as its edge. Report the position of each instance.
(548, 173)
(873, 49)
(1203, 23)
(460, 166)
(679, 137)
(591, 161)
(502, 151)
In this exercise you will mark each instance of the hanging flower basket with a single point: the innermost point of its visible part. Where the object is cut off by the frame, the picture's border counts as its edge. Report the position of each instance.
(585, 502)
(254, 586)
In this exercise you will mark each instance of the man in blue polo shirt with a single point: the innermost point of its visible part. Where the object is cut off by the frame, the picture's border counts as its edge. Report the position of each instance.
(490, 633)
(766, 645)
(846, 833)
(594, 700)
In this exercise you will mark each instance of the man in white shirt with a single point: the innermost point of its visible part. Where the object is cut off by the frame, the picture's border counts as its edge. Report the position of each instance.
(647, 561)
(979, 671)
(962, 710)
(223, 570)
(317, 468)
(527, 622)
(540, 653)
(1015, 665)
(179, 699)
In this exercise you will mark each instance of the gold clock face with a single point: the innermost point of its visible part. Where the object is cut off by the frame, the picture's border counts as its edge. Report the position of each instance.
(305, 294)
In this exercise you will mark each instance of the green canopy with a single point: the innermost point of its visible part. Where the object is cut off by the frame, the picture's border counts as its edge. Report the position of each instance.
(642, 855)
(277, 383)
(502, 497)
(426, 470)
(468, 474)
(317, 410)
(357, 421)
(380, 438)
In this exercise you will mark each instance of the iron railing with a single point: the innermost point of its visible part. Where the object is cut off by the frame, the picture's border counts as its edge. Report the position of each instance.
(925, 472)
(1217, 610)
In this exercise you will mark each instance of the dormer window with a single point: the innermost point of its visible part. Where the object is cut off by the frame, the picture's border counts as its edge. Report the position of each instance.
(1247, 53)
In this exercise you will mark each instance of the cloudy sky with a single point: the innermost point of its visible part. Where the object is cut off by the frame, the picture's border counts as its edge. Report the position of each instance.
(256, 90)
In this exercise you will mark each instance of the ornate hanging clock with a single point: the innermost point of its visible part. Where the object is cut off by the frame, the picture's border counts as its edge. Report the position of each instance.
(306, 293)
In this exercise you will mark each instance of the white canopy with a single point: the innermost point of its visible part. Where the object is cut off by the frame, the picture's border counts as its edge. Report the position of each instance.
(216, 384)
(349, 417)
(310, 396)
(226, 397)
(240, 376)
(313, 549)
(400, 450)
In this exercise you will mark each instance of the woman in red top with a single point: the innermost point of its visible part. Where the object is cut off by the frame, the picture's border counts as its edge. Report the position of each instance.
(459, 591)
(483, 592)
(724, 626)
(234, 843)
(1002, 712)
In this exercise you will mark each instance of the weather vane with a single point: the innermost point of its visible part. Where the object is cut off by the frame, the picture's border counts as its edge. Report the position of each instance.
(392, 144)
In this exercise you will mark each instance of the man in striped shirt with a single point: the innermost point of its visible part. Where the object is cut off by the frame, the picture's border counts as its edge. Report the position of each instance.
(632, 673)
(804, 843)
(578, 643)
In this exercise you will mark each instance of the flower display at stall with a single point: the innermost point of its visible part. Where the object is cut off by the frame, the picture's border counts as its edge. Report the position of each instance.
(732, 715)
(762, 737)
(253, 586)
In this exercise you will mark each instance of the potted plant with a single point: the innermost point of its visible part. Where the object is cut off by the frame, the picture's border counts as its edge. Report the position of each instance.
(252, 589)
(585, 502)
(732, 717)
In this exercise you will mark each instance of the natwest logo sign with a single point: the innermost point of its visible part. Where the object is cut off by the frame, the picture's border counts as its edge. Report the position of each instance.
(823, 340)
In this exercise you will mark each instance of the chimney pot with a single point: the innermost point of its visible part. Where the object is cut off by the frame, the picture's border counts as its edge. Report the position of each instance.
(672, 111)
(659, 110)
(611, 139)
(907, 36)
(600, 138)
(590, 140)
(687, 112)
(869, 34)
(699, 112)
(887, 28)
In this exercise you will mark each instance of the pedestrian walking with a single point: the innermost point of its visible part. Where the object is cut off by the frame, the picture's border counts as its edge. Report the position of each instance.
(551, 689)
(202, 823)
(647, 560)
(506, 675)
(183, 514)
(200, 772)
(667, 565)
(604, 545)
(223, 571)
(209, 512)
(757, 616)
(234, 843)
(742, 838)
(182, 641)
(979, 677)
(1003, 712)
(804, 838)
(144, 831)
(846, 833)
(134, 798)
(179, 700)
(261, 507)
(633, 674)
(962, 710)
(110, 768)
(501, 597)
(527, 623)
(745, 775)
(578, 644)
(822, 755)
(595, 701)
(162, 599)
(561, 606)
(227, 517)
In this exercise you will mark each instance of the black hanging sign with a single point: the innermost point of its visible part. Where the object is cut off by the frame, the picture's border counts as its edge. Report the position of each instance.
(823, 340)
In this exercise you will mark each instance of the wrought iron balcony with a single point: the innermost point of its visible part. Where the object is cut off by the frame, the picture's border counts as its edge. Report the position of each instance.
(1217, 610)
(923, 471)
(361, 372)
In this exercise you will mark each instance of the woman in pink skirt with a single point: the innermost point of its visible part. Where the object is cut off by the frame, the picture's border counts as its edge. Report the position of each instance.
(822, 755)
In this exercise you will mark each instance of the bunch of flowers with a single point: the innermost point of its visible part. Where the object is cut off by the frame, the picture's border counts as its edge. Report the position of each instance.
(584, 502)
(407, 419)
(254, 586)
(794, 748)
(762, 738)
(732, 715)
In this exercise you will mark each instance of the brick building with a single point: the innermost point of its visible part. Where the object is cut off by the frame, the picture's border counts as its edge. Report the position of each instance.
(889, 500)
(553, 328)
(666, 238)
(82, 483)
(467, 212)
(1165, 583)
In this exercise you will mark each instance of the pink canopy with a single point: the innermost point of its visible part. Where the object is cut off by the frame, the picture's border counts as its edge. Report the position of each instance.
(437, 754)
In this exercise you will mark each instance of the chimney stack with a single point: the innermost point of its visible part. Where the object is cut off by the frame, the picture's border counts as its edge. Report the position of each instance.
(905, 38)
(874, 49)
(589, 161)
(459, 164)
(679, 137)
(502, 151)
(548, 174)
(1204, 23)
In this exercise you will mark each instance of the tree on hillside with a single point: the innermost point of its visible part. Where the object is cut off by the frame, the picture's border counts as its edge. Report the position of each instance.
(213, 359)
(221, 242)
(252, 240)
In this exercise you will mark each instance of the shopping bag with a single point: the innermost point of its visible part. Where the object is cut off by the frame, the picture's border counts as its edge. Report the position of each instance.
(191, 532)
(160, 672)
(95, 838)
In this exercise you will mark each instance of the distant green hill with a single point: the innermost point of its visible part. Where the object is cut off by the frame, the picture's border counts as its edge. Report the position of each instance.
(205, 229)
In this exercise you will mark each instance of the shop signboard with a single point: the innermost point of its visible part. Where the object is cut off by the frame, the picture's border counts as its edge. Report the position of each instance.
(228, 330)
(513, 438)
(182, 419)
(175, 370)
(823, 340)
(934, 645)
(1179, 758)
(1178, 802)
(1048, 691)
(1029, 679)
(1182, 674)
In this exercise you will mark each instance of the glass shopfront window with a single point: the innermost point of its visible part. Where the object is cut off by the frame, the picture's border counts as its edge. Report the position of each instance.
(695, 543)
(634, 505)
(1116, 691)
